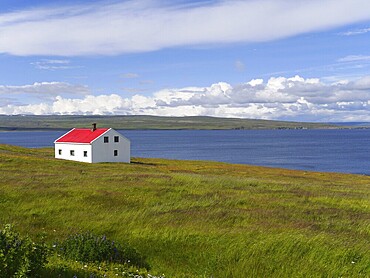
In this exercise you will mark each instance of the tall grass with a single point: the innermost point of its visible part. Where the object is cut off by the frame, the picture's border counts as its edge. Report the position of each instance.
(196, 219)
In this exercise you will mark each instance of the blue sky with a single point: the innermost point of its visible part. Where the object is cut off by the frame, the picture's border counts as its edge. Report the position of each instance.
(282, 59)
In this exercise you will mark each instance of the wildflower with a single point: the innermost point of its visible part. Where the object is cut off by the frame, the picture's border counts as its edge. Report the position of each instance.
(85, 265)
(352, 262)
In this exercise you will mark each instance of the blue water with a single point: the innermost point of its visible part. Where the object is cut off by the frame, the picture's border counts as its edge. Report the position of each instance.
(346, 151)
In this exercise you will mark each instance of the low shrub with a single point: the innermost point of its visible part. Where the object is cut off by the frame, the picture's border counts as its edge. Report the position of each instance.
(88, 247)
(19, 256)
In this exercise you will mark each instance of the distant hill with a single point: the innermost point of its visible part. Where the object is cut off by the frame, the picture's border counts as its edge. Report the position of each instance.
(149, 122)
(352, 124)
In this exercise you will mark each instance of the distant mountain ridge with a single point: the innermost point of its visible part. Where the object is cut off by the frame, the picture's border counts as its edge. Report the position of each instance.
(26, 122)
(363, 124)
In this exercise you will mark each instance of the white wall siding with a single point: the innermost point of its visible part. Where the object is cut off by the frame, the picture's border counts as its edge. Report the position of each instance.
(78, 150)
(104, 152)
(98, 150)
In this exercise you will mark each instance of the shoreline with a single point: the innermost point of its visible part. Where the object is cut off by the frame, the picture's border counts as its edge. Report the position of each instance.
(51, 148)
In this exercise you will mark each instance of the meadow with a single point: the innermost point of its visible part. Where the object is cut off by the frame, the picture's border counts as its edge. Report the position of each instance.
(192, 218)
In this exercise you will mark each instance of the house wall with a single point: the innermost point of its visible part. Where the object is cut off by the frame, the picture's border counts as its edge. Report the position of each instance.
(104, 152)
(78, 151)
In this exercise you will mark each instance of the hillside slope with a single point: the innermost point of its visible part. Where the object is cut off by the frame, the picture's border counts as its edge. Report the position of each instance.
(196, 218)
(146, 122)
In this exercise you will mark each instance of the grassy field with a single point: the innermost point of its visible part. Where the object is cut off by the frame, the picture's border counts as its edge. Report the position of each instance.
(192, 218)
(146, 122)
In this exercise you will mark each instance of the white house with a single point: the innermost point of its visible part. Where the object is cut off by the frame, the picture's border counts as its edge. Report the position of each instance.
(93, 145)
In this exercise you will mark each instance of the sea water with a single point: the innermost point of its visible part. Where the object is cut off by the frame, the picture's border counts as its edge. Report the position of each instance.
(339, 150)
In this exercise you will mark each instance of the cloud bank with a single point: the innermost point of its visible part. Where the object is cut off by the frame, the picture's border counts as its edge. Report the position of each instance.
(282, 98)
(107, 28)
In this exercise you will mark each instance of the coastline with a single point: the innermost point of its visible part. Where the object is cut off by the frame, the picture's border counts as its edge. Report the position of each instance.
(143, 122)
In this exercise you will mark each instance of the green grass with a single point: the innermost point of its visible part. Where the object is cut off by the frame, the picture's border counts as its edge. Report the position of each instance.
(146, 122)
(195, 218)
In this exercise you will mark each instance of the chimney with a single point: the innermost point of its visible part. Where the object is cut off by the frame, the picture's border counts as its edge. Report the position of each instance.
(94, 127)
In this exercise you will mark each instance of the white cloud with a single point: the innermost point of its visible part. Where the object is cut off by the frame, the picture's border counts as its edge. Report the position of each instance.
(33, 109)
(133, 90)
(97, 105)
(130, 75)
(146, 82)
(293, 98)
(356, 32)
(44, 89)
(239, 66)
(355, 58)
(47, 64)
(138, 26)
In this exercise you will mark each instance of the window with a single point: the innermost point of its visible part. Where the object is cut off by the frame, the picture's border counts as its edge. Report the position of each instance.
(72, 152)
(60, 152)
(85, 153)
(106, 139)
(115, 153)
(116, 139)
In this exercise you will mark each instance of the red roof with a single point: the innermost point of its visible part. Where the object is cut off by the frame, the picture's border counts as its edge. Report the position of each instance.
(81, 135)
